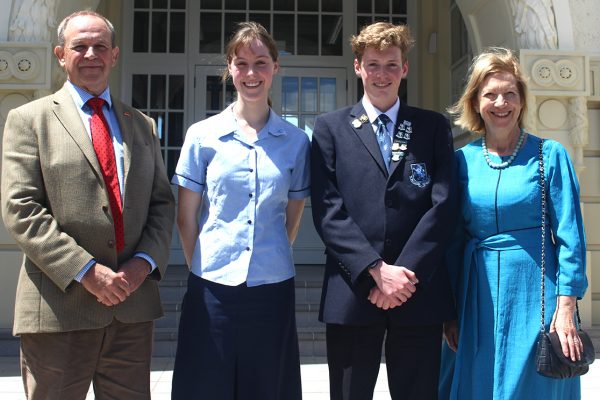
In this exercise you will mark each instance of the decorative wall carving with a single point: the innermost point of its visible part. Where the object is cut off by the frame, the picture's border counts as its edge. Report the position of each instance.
(534, 24)
(557, 73)
(562, 82)
(595, 79)
(25, 66)
(579, 132)
(34, 21)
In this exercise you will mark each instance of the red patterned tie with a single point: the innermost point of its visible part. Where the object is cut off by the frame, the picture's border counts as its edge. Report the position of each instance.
(106, 157)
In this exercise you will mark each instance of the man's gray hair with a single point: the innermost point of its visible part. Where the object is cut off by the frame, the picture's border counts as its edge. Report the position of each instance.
(63, 25)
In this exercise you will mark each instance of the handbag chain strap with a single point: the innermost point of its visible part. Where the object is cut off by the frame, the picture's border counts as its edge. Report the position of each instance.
(543, 258)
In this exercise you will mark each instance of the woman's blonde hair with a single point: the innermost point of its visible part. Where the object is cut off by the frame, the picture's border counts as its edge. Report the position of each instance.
(245, 34)
(490, 61)
(381, 36)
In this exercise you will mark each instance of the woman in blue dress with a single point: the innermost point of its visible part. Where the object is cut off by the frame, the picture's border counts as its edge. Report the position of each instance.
(243, 177)
(495, 259)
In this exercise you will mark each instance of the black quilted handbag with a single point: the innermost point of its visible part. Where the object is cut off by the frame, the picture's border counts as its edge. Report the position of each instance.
(549, 358)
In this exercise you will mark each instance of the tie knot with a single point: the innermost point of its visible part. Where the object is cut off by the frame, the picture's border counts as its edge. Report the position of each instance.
(96, 103)
(384, 119)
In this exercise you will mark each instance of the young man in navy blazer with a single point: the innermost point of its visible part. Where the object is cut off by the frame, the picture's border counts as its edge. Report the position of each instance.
(383, 199)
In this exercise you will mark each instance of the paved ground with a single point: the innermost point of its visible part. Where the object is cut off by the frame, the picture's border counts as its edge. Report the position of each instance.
(314, 381)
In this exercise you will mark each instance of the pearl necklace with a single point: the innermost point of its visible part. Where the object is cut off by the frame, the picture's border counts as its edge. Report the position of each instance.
(506, 163)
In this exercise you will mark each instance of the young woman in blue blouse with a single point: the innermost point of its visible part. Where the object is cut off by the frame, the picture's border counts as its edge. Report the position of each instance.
(243, 178)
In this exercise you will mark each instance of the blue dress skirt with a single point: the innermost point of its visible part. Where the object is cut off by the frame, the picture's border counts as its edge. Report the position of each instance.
(495, 268)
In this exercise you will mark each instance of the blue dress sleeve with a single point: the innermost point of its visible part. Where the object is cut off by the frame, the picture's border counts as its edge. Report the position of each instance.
(566, 220)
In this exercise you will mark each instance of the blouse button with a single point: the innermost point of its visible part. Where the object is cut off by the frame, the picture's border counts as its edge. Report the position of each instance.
(250, 169)
(249, 222)
(250, 195)
(247, 248)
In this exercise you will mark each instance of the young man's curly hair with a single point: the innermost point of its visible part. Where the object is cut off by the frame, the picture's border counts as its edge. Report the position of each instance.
(381, 36)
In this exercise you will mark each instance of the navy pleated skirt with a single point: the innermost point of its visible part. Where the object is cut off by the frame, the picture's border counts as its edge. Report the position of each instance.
(237, 342)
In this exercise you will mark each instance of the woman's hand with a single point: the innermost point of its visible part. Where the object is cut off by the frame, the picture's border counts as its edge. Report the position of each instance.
(451, 334)
(564, 325)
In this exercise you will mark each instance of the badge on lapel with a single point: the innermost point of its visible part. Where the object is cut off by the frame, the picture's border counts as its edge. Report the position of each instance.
(401, 140)
(418, 175)
(357, 122)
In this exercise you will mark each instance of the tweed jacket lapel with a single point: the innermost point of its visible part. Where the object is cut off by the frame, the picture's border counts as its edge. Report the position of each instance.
(127, 134)
(365, 133)
(65, 110)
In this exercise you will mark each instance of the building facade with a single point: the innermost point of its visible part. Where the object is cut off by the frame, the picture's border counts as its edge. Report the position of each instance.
(172, 58)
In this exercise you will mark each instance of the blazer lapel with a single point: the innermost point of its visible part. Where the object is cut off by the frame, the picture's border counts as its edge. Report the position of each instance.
(68, 115)
(404, 113)
(365, 133)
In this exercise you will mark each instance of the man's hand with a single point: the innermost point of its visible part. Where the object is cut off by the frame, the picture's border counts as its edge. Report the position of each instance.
(395, 281)
(135, 271)
(383, 301)
(109, 287)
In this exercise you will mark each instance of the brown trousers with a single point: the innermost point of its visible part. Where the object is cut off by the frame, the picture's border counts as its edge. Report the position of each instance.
(116, 359)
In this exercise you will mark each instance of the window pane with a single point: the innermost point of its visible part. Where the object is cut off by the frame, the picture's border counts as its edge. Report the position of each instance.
(308, 5)
(176, 88)
(231, 21)
(172, 158)
(327, 95)
(178, 4)
(210, 33)
(177, 37)
(139, 91)
(363, 6)
(141, 3)
(291, 118)
(159, 4)
(213, 4)
(159, 32)
(157, 91)
(140, 32)
(159, 118)
(289, 97)
(214, 92)
(331, 5)
(381, 18)
(235, 4)
(361, 22)
(309, 95)
(283, 5)
(382, 6)
(260, 4)
(229, 93)
(175, 137)
(263, 19)
(283, 32)
(308, 34)
(307, 122)
(331, 36)
(399, 6)
(399, 21)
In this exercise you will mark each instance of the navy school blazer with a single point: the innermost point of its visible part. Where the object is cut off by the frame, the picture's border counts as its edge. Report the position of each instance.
(363, 213)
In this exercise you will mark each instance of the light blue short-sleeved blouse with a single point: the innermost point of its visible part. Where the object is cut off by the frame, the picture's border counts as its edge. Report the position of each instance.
(246, 186)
